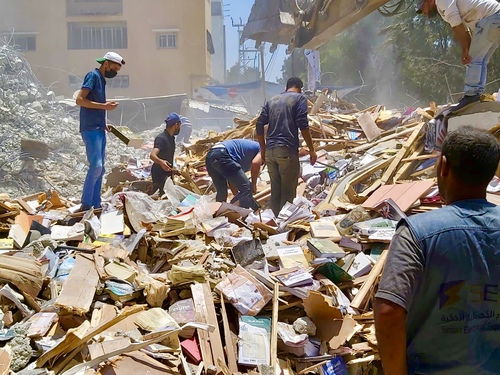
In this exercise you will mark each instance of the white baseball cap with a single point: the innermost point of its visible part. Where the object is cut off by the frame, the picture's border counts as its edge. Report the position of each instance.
(113, 57)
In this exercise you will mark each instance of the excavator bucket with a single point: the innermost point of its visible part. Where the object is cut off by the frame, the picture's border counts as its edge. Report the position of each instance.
(304, 23)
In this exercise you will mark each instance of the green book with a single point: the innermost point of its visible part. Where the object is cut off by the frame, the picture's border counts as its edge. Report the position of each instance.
(334, 272)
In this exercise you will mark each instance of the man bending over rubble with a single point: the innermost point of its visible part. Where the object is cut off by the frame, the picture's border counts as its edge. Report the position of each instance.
(228, 161)
(286, 114)
(163, 152)
(476, 26)
(93, 107)
(437, 309)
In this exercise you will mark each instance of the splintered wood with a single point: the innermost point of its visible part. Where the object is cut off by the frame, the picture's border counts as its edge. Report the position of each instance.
(79, 289)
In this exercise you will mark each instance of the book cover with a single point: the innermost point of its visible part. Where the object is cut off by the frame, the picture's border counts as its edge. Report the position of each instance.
(325, 248)
(291, 256)
(334, 272)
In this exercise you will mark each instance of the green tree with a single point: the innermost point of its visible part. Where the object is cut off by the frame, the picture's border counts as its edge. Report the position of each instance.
(403, 60)
(250, 74)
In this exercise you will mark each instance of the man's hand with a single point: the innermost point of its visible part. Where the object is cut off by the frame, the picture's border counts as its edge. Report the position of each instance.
(165, 165)
(254, 188)
(466, 58)
(109, 127)
(109, 106)
(263, 156)
(313, 157)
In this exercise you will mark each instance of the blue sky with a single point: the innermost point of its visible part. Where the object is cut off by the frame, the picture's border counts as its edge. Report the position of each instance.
(242, 8)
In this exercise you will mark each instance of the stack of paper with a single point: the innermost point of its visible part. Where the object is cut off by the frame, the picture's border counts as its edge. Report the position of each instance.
(210, 226)
(291, 213)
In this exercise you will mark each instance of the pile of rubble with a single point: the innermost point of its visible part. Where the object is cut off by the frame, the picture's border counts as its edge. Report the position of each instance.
(187, 284)
(184, 284)
(40, 144)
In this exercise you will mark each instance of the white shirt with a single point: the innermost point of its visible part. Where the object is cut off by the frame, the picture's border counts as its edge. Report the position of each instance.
(469, 12)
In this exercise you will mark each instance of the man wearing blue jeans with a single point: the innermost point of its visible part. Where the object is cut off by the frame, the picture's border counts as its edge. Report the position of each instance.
(476, 26)
(286, 114)
(228, 161)
(93, 107)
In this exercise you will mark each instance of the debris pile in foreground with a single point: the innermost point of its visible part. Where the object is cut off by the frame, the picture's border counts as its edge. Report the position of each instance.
(185, 284)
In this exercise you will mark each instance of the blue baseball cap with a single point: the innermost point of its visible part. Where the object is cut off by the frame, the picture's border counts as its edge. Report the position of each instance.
(172, 119)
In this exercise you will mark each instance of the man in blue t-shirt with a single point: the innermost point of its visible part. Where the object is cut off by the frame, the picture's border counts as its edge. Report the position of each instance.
(286, 114)
(93, 107)
(437, 308)
(228, 161)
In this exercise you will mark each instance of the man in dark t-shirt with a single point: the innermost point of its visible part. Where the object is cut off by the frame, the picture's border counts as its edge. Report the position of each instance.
(286, 114)
(163, 152)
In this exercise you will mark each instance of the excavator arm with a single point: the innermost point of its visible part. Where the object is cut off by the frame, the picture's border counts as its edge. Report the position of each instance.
(304, 23)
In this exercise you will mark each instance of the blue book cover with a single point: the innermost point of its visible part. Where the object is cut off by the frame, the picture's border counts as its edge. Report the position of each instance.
(334, 367)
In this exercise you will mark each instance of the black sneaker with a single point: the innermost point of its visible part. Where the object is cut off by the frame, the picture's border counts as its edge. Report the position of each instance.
(465, 101)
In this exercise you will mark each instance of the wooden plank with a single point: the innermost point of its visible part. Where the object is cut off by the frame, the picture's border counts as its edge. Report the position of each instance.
(274, 327)
(24, 273)
(367, 146)
(230, 349)
(215, 337)
(79, 288)
(360, 297)
(370, 128)
(201, 317)
(76, 338)
(401, 154)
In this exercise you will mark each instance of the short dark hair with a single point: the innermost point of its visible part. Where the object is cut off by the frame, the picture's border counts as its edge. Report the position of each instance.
(294, 82)
(472, 155)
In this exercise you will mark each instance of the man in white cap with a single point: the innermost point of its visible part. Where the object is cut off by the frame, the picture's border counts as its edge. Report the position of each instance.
(93, 107)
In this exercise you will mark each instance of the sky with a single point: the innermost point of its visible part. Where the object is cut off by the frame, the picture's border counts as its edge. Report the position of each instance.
(242, 8)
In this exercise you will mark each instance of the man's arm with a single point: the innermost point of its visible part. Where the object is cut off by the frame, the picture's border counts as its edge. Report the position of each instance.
(306, 134)
(255, 171)
(262, 121)
(262, 142)
(82, 101)
(165, 165)
(462, 35)
(403, 273)
(390, 322)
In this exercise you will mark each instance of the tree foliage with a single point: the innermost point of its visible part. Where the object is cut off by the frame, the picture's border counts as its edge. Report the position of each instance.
(402, 60)
(247, 74)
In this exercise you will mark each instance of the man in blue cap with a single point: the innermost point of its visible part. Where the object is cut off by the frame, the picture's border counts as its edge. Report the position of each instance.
(93, 106)
(476, 26)
(163, 152)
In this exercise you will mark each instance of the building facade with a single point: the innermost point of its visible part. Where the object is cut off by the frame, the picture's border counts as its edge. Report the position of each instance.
(219, 38)
(167, 44)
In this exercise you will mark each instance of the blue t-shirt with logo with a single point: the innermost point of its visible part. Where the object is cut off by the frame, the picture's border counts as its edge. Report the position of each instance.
(94, 119)
(443, 268)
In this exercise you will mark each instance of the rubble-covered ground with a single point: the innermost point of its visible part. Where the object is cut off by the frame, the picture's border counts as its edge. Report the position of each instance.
(183, 284)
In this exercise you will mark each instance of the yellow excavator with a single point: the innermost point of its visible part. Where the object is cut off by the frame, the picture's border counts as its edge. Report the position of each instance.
(306, 23)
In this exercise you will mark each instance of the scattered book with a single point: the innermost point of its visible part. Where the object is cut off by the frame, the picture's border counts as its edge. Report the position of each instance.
(325, 229)
(293, 277)
(334, 272)
(325, 248)
(254, 341)
(291, 256)
(361, 265)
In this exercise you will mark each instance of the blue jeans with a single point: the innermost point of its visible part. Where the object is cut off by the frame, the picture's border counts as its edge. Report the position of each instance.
(95, 145)
(485, 41)
(284, 168)
(222, 168)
